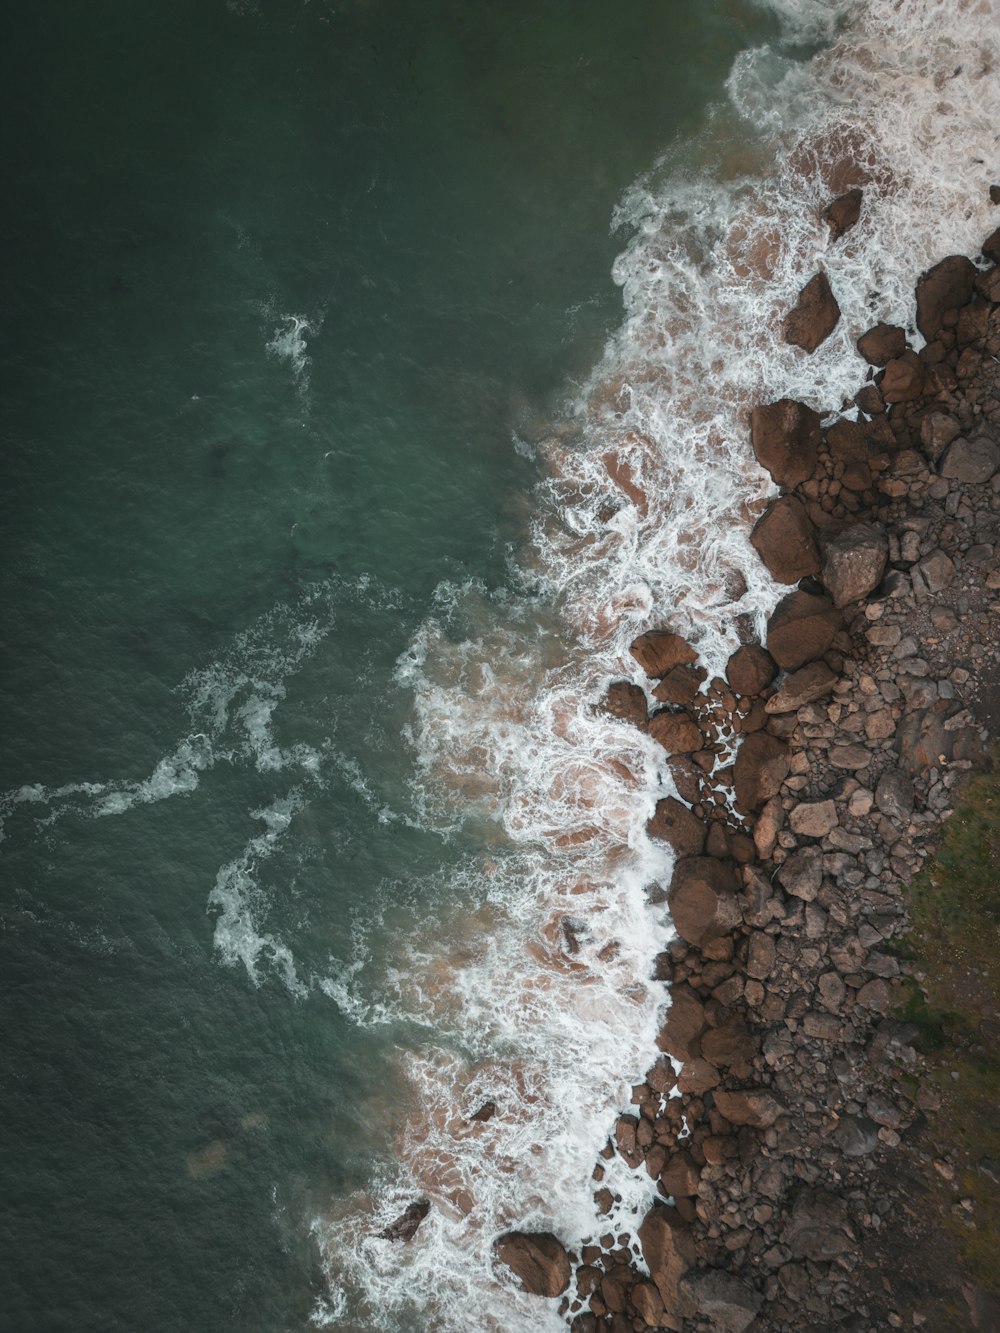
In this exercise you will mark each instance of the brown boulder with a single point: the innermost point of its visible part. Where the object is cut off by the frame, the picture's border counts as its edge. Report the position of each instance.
(730, 1044)
(946, 286)
(843, 213)
(538, 1258)
(882, 344)
(658, 651)
(680, 685)
(756, 1107)
(819, 1227)
(785, 439)
(647, 1304)
(404, 1228)
(903, 379)
(680, 1035)
(679, 1178)
(801, 629)
(751, 669)
(785, 540)
(668, 1250)
(676, 731)
(991, 246)
(702, 900)
(729, 1304)
(802, 687)
(626, 702)
(687, 778)
(814, 317)
(854, 562)
(676, 824)
(761, 766)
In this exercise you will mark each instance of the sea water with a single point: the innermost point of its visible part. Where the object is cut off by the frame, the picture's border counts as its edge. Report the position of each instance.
(339, 482)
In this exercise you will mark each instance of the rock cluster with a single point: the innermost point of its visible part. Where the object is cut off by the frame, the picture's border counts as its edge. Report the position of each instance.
(813, 779)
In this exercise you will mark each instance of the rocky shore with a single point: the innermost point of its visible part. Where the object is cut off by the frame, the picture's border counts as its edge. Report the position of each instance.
(813, 782)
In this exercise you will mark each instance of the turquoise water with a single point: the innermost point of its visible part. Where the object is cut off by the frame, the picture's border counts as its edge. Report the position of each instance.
(284, 283)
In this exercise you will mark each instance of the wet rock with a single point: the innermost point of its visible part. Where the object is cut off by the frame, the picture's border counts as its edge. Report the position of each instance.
(757, 1107)
(882, 344)
(538, 1258)
(815, 315)
(971, 461)
(801, 629)
(762, 764)
(680, 1035)
(680, 1176)
(676, 731)
(841, 215)
(647, 1304)
(625, 1139)
(405, 1226)
(680, 686)
(946, 286)
(854, 562)
(785, 540)
(814, 819)
(903, 379)
(802, 873)
(626, 702)
(668, 1250)
(894, 796)
(702, 899)
(785, 438)
(802, 687)
(486, 1112)
(659, 650)
(698, 1076)
(991, 246)
(674, 823)
(819, 1227)
(729, 1304)
(687, 778)
(751, 669)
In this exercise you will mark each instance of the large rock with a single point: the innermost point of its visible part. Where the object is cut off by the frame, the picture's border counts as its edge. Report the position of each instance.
(894, 796)
(801, 875)
(405, 1226)
(761, 766)
(669, 1252)
(815, 315)
(991, 246)
(785, 540)
(843, 213)
(801, 629)
(680, 1035)
(538, 1258)
(751, 669)
(626, 702)
(757, 1107)
(819, 1228)
(904, 378)
(726, 1302)
(659, 651)
(732, 1043)
(702, 899)
(946, 286)
(785, 438)
(647, 1303)
(882, 344)
(676, 731)
(802, 687)
(673, 822)
(814, 819)
(972, 461)
(854, 562)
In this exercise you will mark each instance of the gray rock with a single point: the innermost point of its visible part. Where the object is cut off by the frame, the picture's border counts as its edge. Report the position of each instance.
(971, 461)
(856, 1136)
(934, 573)
(729, 1304)
(894, 795)
(818, 1228)
(802, 874)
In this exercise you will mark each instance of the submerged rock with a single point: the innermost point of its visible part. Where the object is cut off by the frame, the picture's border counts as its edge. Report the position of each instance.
(405, 1226)
(814, 317)
(841, 215)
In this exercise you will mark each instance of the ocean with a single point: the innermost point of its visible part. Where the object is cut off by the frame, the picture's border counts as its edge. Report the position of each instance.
(373, 374)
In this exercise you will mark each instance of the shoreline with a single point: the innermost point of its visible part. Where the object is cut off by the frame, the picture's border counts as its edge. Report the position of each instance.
(797, 1087)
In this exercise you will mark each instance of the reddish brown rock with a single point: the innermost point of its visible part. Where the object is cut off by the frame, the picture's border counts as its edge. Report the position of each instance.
(626, 702)
(802, 687)
(680, 1035)
(991, 246)
(785, 438)
(659, 650)
(757, 1107)
(702, 900)
(538, 1258)
(674, 823)
(801, 629)
(762, 763)
(669, 1252)
(676, 731)
(751, 669)
(680, 685)
(647, 1304)
(882, 344)
(625, 1139)
(679, 1177)
(903, 379)
(730, 1044)
(405, 1226)
(854, 562)
(946, 286)
(785, 540)
(843, 213)
(687, 778)
(814, 317)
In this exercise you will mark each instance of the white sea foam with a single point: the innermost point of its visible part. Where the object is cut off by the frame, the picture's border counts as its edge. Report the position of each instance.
(538, 999)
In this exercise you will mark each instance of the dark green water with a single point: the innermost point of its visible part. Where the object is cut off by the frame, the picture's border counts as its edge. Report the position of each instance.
(202, 538)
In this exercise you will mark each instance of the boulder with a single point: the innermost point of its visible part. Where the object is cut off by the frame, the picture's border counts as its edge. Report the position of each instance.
(785, 438)
(854, 562)
(813, 819)
(937, 430)
(679, 1178)
(802, 687)
(702, 900)
(882, 344)
(668, 1250)
(946, 286)
(761, 766)
(405, 1226)
(972, 461)
(894, 796)
(856, 1136)
(751, 669)
(843, 213)
(757, 1107)
(802, 873)
(659, 650)
(785, 540)
(815, 315)
(729, 1304)
(626, 702)
(732, 1043)
(698, 1076)
(647, 1303)
(538, 1258)
(903, 379)
(687, 778)
(676, 731)
(932, 574)
(673, 822)
(801, 629)
(991, 246)
(680, 685)
(680, 1035)
(818, 1227)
